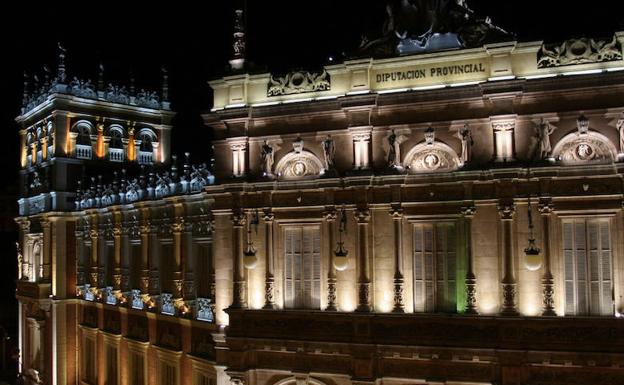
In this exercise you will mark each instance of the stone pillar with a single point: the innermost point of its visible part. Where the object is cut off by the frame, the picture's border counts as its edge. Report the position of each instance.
(240, 293)
(93, 266)
(504, 146)
(361, 149)
(397, 218)
(269, 285)
(362, 217)
(189, 262)
(509, 308)
(470, 279)
(546, 209)
(330, 219)
(145, 272)
(155, 261)
(24, 267)
(238, 158)
(176, 276)
(46, 248)
(80, 257)
(117, 265)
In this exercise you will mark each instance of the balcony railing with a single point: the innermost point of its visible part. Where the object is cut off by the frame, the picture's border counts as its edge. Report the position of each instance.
(84, 151)
(146, 157)
(116, 154)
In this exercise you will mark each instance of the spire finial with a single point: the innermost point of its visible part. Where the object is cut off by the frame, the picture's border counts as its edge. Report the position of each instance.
(61, 63)
(238, 61)
(26, 95)
(165, 84)
(100, 78)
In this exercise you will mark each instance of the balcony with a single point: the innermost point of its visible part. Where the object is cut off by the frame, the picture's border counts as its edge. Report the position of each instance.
(116, 154)
(146, 157)
(84, 151)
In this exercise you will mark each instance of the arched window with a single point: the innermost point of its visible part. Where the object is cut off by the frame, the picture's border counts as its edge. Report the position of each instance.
(146, 137)
(116, 137)
(83, 130)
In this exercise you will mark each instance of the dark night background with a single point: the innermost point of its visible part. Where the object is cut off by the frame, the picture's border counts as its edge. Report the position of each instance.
(194, 43)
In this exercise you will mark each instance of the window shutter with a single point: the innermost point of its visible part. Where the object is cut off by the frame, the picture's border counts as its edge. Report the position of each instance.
(451, 268)
(316, 269)
(606, 272)
(418, 269)
(568, 261)
(289, 296)
(581, 267)
(429, 270)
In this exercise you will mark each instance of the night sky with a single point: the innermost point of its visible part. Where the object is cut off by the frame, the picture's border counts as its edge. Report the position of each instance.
(194, 43)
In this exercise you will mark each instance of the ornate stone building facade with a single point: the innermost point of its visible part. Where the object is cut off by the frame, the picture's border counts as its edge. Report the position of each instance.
(450, 217)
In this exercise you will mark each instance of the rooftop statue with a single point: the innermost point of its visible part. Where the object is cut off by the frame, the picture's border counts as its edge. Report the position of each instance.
(414, 26)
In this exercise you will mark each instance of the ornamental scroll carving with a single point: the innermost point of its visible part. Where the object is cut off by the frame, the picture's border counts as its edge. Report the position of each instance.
(298, 82)
(591, 147)
(579, 51)
(298, 165)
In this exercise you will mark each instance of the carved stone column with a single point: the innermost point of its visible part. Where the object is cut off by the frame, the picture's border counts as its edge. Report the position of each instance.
(362, 217)
(239, 150)
(470, 279)
(269, 283)
(155, 261)
(45, 275)
(330, 219)
(546, 209)
(361, 149)
(80, 257)
(397, 218)
(509, 308)
(239, 294)
(116, 233)
(93, 268)
(176, 276)
(24, 268)
(504, 145)
(145, 272)
(189, 287)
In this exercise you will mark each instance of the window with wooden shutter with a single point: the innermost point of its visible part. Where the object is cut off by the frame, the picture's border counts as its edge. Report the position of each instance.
(89, 365)
(587, 267)
(302, 267)
(168, 374)
(435, 267)
(137, 368)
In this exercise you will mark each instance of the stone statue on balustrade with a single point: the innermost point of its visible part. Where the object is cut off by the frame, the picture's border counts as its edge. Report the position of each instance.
(543, 132)
(465, 135)
(268, 155)
(328, 153)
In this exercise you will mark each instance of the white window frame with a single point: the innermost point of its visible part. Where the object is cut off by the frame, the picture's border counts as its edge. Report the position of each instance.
(589, 307)
(304, 302)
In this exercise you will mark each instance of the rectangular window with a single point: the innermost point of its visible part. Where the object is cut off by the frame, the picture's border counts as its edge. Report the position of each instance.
(587, 267)
(435, 265)
(112, 374)
(302, 267)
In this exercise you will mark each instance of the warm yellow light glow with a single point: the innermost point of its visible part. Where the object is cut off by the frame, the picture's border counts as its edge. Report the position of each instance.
(487, 305)
(347, 301)
(386, 304)
(99, 144)
(131, 149)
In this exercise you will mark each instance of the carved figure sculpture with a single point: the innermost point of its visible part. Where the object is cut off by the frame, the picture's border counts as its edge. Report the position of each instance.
(620, 128)
(465, 135)
(328, 152)
(267, 158)
(544, 129)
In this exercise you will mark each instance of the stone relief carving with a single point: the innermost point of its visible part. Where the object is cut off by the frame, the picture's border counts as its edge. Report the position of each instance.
(431, 156)
(578, 51)
(298, 82)
(587, 147)
(299, 165)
